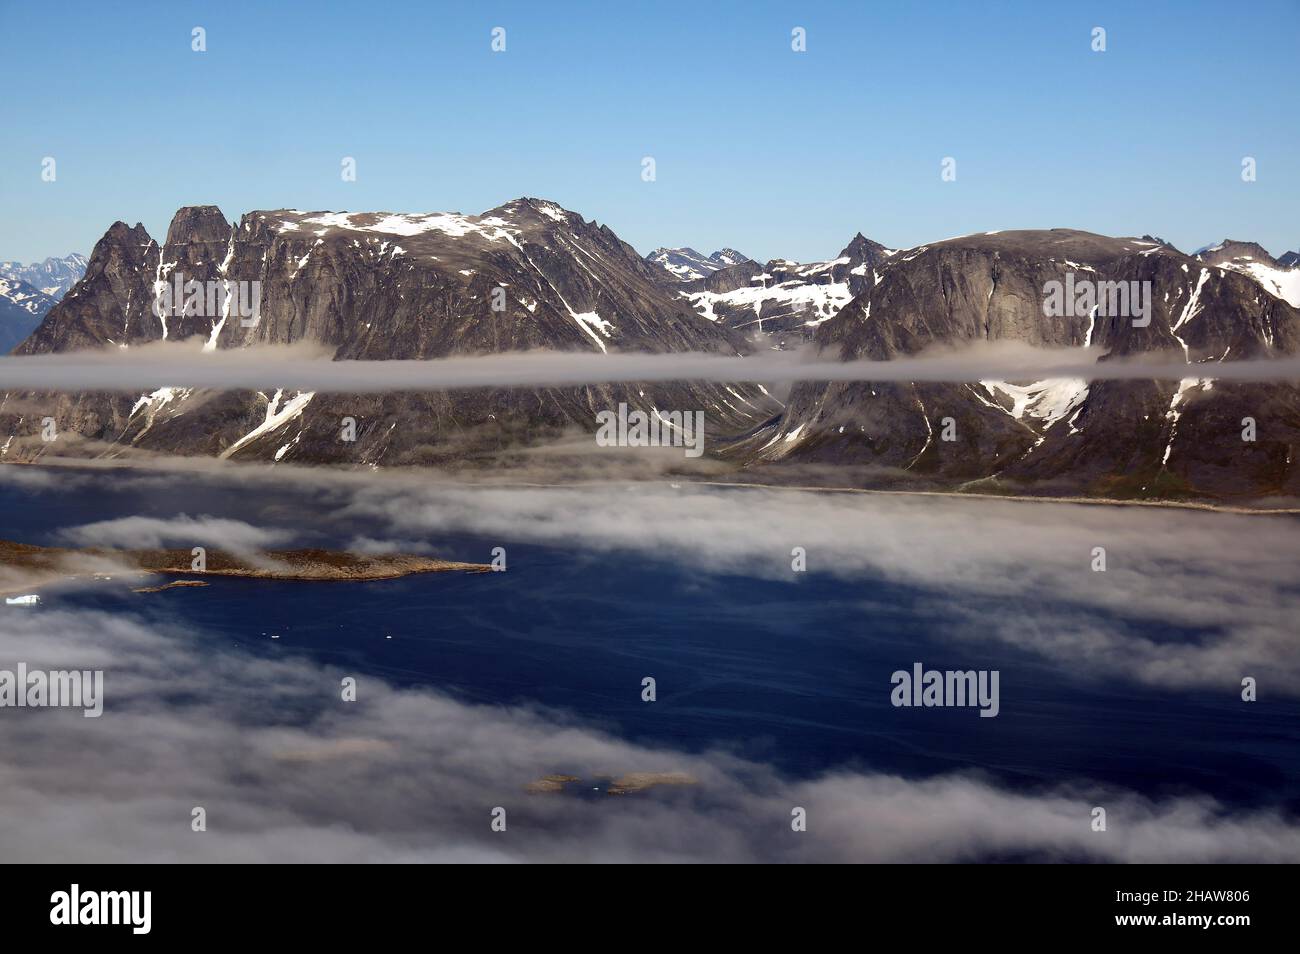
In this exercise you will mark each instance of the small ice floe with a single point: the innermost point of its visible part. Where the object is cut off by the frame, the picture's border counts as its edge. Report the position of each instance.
(275, 635)
(29, 600)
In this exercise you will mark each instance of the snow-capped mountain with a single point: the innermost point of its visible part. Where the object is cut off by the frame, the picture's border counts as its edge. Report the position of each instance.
(21, 309)
(1279, 277)
(1231, 250)
(686, 264)
(786, 299)
(728, 256)
(53, 277)
(1102, 438)
(380, 285)
(24, 297)
(28, 292)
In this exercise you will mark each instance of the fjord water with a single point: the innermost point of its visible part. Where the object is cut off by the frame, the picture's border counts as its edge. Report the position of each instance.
(795, 674)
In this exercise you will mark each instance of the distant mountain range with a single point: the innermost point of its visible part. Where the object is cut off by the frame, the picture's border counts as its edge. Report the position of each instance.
(28, 292)
(392, 285)
(786, 299)
(21, 309)
(54, 276)
(686, 264)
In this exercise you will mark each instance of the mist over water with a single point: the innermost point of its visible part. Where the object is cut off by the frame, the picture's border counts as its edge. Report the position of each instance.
(792, 673)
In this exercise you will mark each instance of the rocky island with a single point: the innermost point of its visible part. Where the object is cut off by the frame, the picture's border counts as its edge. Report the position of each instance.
(24, 565)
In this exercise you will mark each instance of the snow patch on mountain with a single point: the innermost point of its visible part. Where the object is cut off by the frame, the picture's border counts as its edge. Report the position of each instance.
(23, 295)
(22, 306)
(817, 302)
(490, 228)
(1283, 283)
(1044, 401)
(277, 415)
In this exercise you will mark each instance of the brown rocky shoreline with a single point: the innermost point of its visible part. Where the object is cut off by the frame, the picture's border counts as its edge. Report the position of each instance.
(25, 566)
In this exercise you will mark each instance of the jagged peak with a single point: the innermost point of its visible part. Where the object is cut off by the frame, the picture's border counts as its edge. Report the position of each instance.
(119, 233)
(859, 245)
(727, 257)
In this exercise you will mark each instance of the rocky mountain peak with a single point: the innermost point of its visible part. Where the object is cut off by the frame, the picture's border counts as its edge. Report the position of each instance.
(536, 206)
(526, 275)
(862, 249)
(119, 233)
(728, 256)
(198, 223)
(1157, 240)
(857, 241)
(383, 285)
(1230, 250)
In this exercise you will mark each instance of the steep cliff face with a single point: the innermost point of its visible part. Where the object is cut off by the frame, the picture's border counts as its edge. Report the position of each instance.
(1105, 438)
(376, 286)
(110, 303)
(383, 285)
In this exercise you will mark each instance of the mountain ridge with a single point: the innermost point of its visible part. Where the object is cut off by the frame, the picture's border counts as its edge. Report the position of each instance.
(685, 264)
(1101, 438)
(425, 279)
(377, 285)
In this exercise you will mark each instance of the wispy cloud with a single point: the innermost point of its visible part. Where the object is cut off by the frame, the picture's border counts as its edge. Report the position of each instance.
(993, 570)
(137, 532)
(287, 772)
(307, 367)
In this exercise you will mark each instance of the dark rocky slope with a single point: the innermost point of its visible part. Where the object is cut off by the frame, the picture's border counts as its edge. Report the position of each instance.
(1107, 438)
(373, 286)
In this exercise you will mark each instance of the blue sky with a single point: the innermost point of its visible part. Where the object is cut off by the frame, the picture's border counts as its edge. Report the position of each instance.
(777, 153)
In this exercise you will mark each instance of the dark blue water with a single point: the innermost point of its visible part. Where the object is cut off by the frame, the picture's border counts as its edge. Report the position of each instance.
(796, 674)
